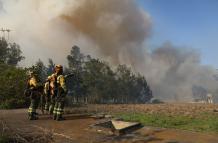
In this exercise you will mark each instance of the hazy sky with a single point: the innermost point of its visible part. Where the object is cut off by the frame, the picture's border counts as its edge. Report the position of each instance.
(190, 23)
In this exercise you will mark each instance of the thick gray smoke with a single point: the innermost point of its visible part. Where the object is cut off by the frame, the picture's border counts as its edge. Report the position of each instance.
(174, 71)
(118, 28)
(115, 30)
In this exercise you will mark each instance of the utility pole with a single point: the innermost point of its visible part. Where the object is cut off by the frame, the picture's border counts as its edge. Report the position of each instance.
(3, 31)
(8, 30)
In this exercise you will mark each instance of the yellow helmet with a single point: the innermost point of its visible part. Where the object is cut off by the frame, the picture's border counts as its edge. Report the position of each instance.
(58, 67)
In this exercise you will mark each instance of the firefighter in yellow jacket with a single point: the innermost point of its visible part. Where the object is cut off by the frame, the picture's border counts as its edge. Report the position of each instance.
(50, 91)
(52, 88)
(33, 86)
(61, 93)
(47, 94)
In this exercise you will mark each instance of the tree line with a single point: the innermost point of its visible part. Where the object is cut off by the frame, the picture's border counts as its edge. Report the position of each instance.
(90, 80)
(12, 78)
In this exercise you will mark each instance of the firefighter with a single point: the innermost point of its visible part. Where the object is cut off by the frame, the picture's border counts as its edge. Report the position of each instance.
(42, 100)
(47, 94)
(33, 87)
(61, 93)
(52, 91)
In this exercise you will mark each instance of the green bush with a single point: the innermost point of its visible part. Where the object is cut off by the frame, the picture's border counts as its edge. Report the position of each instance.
(12, 85)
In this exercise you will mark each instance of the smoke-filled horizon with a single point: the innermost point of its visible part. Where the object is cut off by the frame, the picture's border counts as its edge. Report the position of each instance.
(115, 31)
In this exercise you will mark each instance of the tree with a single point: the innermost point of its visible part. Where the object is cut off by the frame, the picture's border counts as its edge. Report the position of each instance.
(75, 59)
(124, 77)
(10, 53)
(12, 85)
(51, 67)
(14, 54)
(141, 91)
(94, 79)
(75, 63)
(3, 50)
(96, 75)
(13, 79)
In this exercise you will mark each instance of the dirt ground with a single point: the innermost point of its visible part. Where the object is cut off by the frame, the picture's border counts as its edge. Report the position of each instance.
(76, 128)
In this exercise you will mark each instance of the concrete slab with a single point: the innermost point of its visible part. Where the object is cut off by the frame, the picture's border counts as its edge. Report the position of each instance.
(101, 116)
(120, 125)
(117, 127)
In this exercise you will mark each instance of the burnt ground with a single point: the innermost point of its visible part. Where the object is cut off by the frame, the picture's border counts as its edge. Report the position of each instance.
(76, 128)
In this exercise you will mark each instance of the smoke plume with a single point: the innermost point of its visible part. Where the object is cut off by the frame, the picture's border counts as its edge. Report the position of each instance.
(115, 30)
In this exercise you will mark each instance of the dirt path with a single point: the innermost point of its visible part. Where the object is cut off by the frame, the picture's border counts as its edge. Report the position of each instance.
(76, 129)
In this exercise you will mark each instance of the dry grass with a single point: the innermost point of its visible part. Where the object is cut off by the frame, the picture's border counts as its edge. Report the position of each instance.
(8, 135)
(187, 109)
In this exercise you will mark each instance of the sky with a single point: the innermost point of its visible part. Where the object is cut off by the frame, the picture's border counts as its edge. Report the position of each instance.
(185, 23)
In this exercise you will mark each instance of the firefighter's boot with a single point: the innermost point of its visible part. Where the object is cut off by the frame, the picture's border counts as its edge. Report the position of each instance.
(60, 118)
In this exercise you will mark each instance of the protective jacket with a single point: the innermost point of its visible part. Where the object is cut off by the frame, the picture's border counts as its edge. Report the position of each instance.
(61, 84)
(59, 104)
(33, 83)
(53, 84)
(34, 86)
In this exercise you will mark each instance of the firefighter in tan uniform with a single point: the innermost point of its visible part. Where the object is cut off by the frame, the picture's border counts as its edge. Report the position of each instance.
(53, 89)
(33, 86)
(61, 93)
(47, 94)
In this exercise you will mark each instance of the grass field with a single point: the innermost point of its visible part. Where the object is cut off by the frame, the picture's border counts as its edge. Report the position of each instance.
(203, 122)
(184, 116)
